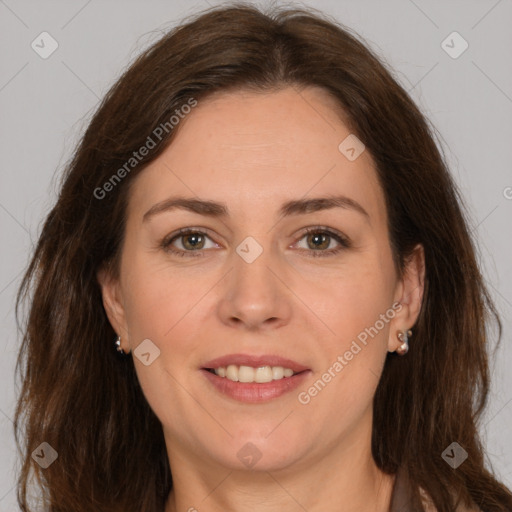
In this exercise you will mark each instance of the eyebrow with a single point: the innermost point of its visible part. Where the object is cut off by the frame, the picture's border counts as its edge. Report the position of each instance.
(294, 207)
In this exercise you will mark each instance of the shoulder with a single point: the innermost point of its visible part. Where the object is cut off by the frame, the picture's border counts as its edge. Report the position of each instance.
(429, 506)
(403, 498)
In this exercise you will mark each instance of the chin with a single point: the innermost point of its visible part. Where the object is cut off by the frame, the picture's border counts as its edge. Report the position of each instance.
(263, 452)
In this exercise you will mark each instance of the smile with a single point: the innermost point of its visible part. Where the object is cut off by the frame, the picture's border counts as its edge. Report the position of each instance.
(261, 375)
(255, 392)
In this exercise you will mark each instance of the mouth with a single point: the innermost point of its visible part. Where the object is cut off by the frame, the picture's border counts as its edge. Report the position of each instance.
(249, 374)
(254, 378)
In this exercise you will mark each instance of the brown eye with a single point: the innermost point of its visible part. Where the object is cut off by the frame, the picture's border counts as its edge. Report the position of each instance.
(192, 242)
(319, 239)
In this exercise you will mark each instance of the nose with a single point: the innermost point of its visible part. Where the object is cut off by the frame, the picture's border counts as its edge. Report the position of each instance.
(255, 295)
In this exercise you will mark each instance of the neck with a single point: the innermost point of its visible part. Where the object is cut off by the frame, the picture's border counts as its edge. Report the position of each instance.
(342, 478)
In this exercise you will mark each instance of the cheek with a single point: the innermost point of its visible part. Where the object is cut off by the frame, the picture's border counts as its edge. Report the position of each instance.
(353, 351)
(149, 309)
(157, 296)
(353, 300)
(162, 307)
(356, 306)
(170, 307)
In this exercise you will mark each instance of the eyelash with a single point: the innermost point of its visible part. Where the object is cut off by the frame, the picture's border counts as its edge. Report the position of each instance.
(344, 242)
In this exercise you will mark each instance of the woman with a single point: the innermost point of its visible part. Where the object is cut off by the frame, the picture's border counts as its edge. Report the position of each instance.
(257, 282)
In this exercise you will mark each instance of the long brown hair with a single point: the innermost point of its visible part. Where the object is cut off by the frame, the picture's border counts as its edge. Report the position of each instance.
(81, 397)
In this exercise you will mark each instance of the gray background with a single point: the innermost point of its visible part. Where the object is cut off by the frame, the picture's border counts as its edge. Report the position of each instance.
(45, 105)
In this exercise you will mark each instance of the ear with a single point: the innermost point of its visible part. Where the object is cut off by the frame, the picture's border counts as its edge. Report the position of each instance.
(409, 293)
(113, 304)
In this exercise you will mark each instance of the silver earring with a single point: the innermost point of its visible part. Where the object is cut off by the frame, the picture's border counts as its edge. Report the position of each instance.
(403, 336)
(118, 345)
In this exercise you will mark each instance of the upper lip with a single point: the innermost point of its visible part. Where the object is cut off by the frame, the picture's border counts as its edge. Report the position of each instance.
(255, 362)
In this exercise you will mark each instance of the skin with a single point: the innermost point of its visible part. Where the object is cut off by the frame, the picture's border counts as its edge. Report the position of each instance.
(254, 151)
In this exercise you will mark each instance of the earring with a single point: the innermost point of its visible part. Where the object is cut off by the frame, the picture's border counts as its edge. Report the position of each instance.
(118, 345)
(403, 336)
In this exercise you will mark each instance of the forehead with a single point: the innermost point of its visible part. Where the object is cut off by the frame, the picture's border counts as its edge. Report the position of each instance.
(252, 149)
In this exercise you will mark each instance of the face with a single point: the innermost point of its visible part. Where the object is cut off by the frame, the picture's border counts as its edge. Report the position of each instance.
(248, 283)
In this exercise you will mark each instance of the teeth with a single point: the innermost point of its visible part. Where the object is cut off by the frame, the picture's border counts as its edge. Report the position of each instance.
(245, 374)
(263, 374)
(249, 374)
(232, 373)
(277, 372)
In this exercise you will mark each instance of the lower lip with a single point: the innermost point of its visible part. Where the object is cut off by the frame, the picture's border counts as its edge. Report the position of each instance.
(252, 392)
